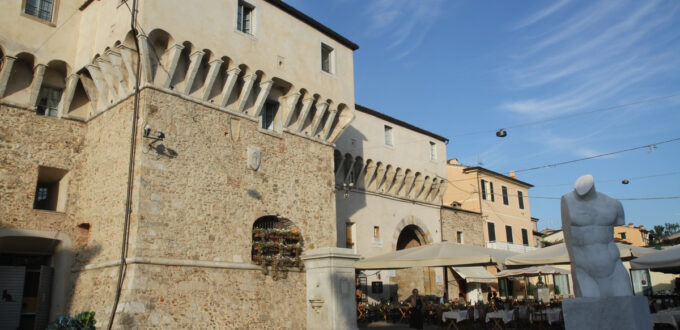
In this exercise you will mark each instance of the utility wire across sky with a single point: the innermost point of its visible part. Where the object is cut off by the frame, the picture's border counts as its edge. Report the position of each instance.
(651, 145)
(577, 114)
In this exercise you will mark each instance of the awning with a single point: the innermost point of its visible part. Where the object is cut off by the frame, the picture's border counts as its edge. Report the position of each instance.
(666, 261)
(532, 271)
(435, 255)
(477, 274)
(557, 254)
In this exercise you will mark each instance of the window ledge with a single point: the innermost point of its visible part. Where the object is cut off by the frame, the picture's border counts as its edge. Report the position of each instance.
(38, 19)
(329, 74)
(270, 132)
(50, 211)
(251, 36)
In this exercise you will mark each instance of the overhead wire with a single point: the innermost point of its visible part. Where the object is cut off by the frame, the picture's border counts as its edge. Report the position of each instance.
(613, 180)
(583, 113)
(597, 156)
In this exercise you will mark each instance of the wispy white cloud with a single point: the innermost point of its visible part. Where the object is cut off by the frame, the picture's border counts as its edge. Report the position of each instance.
(591, 57)
(541, 14)
(404, 23)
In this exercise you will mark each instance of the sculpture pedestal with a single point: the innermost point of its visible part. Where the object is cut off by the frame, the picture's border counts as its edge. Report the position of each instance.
(622, 313)
(330, 288)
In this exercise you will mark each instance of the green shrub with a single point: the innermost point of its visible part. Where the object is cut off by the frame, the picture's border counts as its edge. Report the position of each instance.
(82, 321)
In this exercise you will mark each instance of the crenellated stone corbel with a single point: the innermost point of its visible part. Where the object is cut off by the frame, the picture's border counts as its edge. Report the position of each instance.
(215, 66)
(99, 83)
(196, 58)
(38, 75)
(318, 115)
(4, 75)
(145, 54)
(246, 90)
(408, 185)
(265, 88)
(127, 54)
(389, 180)
(370, 171)
(67, 96)
(349, 172)
(329, 123)
(379, 176)
(117, 68)
(232, 76)
(291, 101)
(105, 67)
(306, 105)
(398, 182)
(174, 54)
(427, 185)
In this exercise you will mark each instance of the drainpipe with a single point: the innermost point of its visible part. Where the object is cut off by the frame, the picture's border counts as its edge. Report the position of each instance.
(131, 170)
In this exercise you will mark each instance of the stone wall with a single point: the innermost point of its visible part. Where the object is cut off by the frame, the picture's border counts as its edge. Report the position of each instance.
(201, 204)
(210, 298)
(470, 223)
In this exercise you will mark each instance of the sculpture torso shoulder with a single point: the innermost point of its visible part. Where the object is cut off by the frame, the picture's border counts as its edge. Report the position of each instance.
(598, 210)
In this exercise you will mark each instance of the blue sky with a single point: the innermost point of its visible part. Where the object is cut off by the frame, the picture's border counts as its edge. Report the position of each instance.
(463, 69)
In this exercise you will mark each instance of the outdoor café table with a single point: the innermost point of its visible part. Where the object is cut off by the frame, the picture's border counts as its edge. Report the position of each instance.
(497, 316)
(552, 315)
(457, 316)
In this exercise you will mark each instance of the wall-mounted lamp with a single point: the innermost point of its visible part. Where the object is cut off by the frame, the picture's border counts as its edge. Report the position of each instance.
(347, 187)
(501, 133)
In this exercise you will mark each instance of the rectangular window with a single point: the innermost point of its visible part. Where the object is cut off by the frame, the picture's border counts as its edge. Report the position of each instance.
(483, 184)
(327, 58)
(376, 232)
(525, 236)
(269, 114)
(349, 233)
(623, 235)
(377, 287)
(504, 189)
(493, 198)
(50, 191)
(433, 151)
(388, 135)
(520, 199)
(492, 231)
(508, 234)
(48, 100)
(244, 20)
(40, 8)
(459, 237)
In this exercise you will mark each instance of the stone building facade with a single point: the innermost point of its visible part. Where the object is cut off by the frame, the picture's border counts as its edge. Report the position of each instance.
(390, 177)
(233, 125)
(502, 200)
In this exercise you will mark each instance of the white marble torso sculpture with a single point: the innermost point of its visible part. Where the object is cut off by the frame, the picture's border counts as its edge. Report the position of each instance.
(588, 220)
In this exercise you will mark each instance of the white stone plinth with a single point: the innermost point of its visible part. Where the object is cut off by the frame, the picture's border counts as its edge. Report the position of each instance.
(330, 288)
(621, 313)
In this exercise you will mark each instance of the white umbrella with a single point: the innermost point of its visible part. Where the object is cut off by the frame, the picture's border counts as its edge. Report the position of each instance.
(434, 255)
(666, 261)
(557, 254)
(532, 271)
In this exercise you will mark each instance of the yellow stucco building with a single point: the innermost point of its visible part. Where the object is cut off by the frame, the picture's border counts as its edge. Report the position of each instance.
(502, 200)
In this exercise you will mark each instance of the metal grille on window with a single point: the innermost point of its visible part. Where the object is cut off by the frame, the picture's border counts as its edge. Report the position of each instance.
(269, 114)
(40, 8)
(48, 100)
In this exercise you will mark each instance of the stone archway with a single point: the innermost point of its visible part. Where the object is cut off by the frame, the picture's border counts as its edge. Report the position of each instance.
(410, 233)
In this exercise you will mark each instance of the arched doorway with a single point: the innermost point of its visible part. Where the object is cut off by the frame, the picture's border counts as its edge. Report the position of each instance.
(422, 278)
(411, 236)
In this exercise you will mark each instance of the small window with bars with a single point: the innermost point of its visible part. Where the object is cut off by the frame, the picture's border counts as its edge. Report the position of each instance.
(327, 58)
(269, 115)
(48, 101)
(388, 136)
(244, 20)
(42, 9)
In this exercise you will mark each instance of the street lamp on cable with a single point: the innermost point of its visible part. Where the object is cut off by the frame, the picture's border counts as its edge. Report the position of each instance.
(501, 133)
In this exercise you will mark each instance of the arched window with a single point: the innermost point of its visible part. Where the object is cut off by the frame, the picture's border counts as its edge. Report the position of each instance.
(276, 242)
